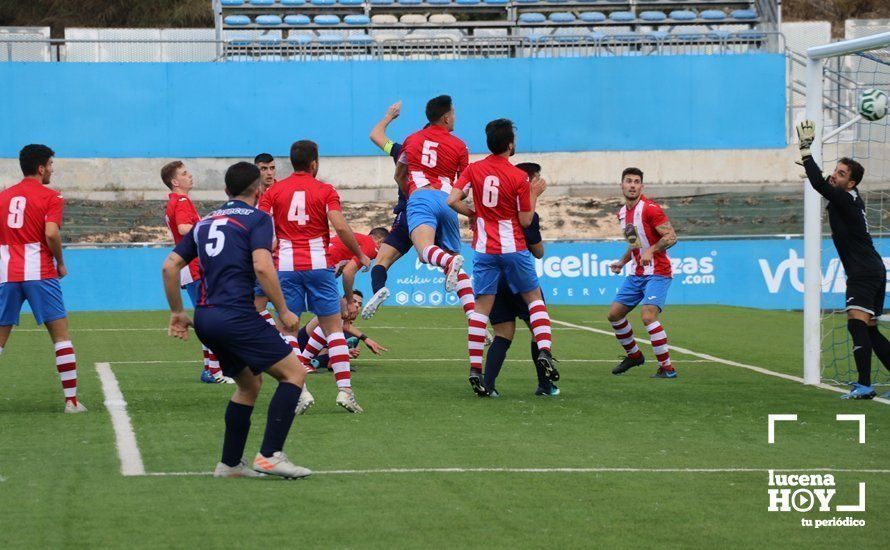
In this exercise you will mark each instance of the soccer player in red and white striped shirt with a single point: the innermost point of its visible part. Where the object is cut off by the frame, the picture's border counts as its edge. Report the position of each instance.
(266, 163)
(31, 262)
(301, 207)
(504, 204)
(180, 216)
(649, 234)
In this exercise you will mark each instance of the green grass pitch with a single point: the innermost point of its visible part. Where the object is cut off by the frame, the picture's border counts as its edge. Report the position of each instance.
(61, 485)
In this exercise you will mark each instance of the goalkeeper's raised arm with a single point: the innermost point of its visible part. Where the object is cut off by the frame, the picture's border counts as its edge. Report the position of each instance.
(806, 134)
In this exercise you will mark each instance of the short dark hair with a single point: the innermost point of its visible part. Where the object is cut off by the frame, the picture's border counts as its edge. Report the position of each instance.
(358, 293)
(530, 168)
(499, 134)
(33, 156)
(302, 153)
(438, 107)
(857, 171)
(631, 171)
(240, 177)
(168, 172)
(381, 232)
(263, 157)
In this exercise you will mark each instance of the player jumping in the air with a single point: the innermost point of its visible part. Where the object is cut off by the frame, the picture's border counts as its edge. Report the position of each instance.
(31, 262)
(180, 216)
(301, 207)
(649, 234)
(504, 203)
(234, 246)
(266, 163)
(866, 273)
(509, 306)
(428, 167)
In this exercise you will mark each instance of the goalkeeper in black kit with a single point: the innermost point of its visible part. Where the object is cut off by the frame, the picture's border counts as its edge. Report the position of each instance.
(866, 274)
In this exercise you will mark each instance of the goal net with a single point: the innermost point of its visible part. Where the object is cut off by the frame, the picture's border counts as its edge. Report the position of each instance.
(837, 75)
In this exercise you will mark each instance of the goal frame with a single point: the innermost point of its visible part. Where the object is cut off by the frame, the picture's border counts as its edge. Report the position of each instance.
(812, 230)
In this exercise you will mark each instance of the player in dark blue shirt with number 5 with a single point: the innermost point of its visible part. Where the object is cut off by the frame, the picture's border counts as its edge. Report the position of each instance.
(233, 245)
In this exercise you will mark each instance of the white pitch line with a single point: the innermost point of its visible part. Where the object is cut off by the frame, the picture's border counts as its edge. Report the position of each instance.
(557, 471)
(124, 436)
(154, 329)
(416, 360)
(714, 359)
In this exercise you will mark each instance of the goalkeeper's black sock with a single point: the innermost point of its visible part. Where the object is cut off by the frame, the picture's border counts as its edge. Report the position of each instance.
(880, 345)
(494, 360)
(861, 349)
(237, 428)
(281, 416)
(543, 381)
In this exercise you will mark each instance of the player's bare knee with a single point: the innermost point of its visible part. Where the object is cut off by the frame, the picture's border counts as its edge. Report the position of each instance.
(649, 315)
(504, 330)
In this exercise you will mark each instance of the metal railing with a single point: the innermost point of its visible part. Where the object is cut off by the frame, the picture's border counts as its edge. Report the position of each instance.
(275, 49)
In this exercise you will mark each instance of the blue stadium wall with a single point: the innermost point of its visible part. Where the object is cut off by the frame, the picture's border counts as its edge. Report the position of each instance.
(148, 110)
(758, 273)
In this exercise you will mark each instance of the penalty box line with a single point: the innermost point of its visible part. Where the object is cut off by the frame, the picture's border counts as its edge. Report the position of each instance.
(714, 359)
(124, 436)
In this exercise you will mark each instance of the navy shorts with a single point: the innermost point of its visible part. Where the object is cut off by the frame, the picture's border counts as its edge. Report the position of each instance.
(314, 290)
(240, 339)
(44, 297)
(507, 306)
(398, 237)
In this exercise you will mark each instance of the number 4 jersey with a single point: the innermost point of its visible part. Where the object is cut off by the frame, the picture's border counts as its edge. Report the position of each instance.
(299, 205)
(224, 242)
(500, 192)
(25, 208)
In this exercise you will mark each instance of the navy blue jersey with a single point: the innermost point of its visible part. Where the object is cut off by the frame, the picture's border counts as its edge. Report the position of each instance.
(402, 205)
(533, 231)
(224, 242)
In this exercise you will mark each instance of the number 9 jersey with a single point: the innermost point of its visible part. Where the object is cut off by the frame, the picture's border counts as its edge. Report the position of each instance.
(224, 242)
(25, 208)
(299, 206)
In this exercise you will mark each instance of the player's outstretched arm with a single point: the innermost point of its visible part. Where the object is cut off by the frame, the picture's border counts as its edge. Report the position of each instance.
(378, 133)
(348, 237)
(54, 243)
(806, 135)
(349, 271)
(179, 320)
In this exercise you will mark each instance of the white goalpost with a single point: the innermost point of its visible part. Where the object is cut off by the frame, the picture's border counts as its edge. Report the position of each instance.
(835, 76)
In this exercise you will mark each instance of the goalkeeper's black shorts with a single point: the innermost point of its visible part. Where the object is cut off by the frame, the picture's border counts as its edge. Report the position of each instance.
(866, 294)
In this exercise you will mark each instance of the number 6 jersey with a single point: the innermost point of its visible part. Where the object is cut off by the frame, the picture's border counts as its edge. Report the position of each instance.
(25, 208)
(299, 205)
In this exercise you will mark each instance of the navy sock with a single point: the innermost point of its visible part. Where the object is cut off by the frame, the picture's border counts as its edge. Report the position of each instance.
(880, 346)
(861, 349)
(543, 381)
(494, 360)
(323, 360)
(281, 416)
(237, 428)
(378, 278)
(302, 338)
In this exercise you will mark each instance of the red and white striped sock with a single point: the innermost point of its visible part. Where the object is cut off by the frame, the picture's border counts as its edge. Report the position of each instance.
(316, 343)
(292, 342)
(465, 293)
(540, 322)
(206, 352)
(436, 256)
(625, 335)
(659, 340)
(66, 364)
(213, 365)
(339, 361)
(267, 316)
(476, 329)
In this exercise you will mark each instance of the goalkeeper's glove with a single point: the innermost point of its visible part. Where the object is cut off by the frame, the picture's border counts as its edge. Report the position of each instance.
(806, 134)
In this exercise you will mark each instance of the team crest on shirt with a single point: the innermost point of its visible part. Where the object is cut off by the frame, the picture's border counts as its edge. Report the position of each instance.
(633, 238)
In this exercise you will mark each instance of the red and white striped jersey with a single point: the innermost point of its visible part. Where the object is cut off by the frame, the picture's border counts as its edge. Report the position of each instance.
(181, 211)
(25, 209)
(638, 224)
(435, 158)
(340, 253)
(299, 206)
(500, 192)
